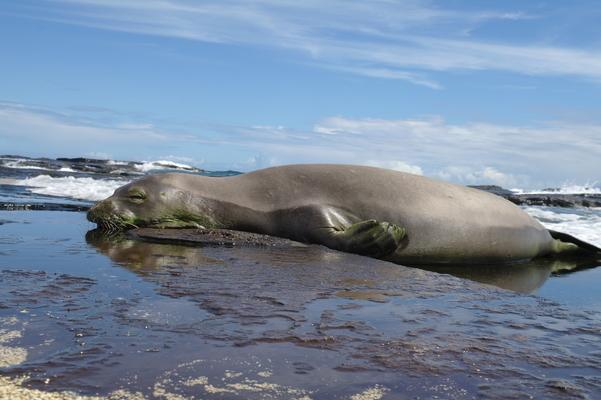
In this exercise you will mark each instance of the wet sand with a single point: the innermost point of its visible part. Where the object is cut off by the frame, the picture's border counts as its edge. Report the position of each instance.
(251, 319)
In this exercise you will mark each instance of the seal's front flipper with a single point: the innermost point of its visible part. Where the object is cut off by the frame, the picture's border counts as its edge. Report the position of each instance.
(337, 229)
(370, 238)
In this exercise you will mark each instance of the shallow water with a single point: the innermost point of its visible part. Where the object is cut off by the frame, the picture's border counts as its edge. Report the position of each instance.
(218, 322)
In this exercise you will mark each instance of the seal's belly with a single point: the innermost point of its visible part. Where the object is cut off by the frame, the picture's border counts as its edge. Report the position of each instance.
(453, 240)
(474, 228)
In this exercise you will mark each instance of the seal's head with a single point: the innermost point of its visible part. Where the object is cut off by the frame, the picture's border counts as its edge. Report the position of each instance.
(155, 201)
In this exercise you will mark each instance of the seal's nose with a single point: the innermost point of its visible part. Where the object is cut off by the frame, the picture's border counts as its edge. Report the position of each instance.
(100, 210)
(92, 214)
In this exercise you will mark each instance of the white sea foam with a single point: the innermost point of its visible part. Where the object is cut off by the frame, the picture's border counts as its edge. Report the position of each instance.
(588, 188)
(8, 181)
(585, 224)
(19, 165)
(162, 164)
(70, 186)
(113, 162)
(123, 171)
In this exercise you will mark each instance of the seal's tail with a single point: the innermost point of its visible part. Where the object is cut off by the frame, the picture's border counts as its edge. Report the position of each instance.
(582, 245)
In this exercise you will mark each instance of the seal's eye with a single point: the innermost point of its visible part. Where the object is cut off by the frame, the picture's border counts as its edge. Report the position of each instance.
(136, 196)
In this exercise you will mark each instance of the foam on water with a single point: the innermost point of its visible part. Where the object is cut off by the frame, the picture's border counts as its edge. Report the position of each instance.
(161, 165)
(19, 165)
(70, 186)
(113, 162)
(587, 188)
(585, 224)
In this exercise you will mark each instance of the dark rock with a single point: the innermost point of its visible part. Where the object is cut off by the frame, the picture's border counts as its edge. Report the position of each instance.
(544, 199)
(82, 160)
(14, 156)
(494, 189)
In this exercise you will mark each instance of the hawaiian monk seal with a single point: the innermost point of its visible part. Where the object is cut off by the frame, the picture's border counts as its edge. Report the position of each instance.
(399, 217)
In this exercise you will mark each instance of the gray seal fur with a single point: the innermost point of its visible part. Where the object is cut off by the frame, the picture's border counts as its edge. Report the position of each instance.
(400, 217)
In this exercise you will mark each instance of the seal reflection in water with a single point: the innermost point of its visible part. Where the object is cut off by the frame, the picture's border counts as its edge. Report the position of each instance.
(399, 217)
(143, 257)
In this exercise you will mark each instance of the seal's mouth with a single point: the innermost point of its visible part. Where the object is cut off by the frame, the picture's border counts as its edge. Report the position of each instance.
(108, 219)
(112, 223)
(115, 224)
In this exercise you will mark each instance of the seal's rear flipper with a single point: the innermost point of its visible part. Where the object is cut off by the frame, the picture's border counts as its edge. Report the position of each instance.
(583, 247)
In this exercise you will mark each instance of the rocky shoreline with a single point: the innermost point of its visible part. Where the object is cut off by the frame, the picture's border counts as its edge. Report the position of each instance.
(544, 199)
(63, 166)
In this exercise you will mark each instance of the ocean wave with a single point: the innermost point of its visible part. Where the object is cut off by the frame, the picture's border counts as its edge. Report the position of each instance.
(19, 164)
(587, 188)
(94, 166)
(113, 162)
(71, 187)
(147, 166)
(585, 224)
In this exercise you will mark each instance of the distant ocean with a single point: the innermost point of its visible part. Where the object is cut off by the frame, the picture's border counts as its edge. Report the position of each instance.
(67, 183)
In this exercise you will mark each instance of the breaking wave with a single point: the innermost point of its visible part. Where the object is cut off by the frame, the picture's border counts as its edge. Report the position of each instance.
(591, 188)
(585, 224)
(146, 166)
(71, 187)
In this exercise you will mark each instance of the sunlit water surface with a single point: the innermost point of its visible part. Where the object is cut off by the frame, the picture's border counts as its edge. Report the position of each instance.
(97, 314)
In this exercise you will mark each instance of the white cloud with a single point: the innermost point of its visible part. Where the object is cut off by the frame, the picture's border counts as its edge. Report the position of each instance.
(396, 165)
(20, 120)
(389, 73)
(485, 176)
(28, 128)
(469, 153)
(556, 150)
(526, 156)
(383, 39)
(128, 126)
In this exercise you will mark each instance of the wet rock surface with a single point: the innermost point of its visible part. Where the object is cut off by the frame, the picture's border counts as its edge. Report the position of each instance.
(257, 321)
(544, 199)
(17, 198)
(208, 237)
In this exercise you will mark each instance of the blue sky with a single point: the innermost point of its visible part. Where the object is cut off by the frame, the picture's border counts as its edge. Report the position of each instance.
(472, 92)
